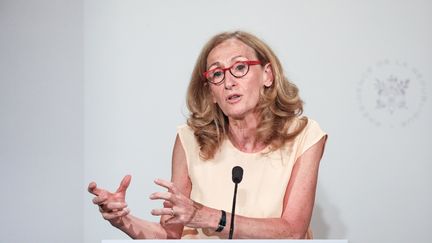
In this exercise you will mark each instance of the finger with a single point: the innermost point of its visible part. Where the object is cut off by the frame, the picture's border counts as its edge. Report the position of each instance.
(173, 220)
(167, 184)
(162, 211)
(161, 195)
(124, 212)
(100, 199)
(103, 209)
(114, 215)
(93, 189)
(124, 184)
(115, 206)
(168, 204)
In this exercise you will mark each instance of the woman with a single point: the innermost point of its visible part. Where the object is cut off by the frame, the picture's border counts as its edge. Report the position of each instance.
(243, 111)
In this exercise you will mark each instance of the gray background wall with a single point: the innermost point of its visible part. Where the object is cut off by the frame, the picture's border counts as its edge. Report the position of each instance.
(41, 121)
(94, 90)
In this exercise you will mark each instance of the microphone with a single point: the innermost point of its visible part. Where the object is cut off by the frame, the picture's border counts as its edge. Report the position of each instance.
(237, 176)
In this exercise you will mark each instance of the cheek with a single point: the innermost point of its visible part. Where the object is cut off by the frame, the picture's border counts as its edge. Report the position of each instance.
(254, 90)
(215, 94)
(254, 98)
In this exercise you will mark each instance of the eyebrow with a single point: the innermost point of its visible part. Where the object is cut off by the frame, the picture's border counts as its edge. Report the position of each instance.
(218, 63)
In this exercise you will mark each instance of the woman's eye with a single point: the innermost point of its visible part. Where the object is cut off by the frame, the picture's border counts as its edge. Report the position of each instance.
(240, 67)
(217, 73)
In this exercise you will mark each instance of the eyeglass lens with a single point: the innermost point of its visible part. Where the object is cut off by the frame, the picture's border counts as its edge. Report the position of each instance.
(238, 70)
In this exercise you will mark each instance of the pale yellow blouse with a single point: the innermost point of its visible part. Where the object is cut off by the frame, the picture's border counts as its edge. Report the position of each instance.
(266, 175)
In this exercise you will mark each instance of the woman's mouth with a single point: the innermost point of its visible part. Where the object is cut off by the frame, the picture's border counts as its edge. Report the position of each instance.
(234, 98)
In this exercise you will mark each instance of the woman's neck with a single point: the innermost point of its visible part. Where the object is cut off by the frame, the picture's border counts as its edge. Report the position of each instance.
(242, 134)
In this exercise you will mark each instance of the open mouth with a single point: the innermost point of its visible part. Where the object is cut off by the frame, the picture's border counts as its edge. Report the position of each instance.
(233, 98)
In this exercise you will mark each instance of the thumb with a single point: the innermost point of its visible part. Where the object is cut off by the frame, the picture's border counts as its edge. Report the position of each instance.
(124, 184)
(93, 189)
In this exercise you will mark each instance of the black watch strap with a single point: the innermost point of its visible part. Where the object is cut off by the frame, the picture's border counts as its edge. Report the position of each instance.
(222, 222)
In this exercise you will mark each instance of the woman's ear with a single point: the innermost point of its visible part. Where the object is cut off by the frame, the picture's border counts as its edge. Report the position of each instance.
(268, 75)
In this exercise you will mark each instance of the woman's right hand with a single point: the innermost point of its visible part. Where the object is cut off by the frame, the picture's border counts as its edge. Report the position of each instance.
(111, 205)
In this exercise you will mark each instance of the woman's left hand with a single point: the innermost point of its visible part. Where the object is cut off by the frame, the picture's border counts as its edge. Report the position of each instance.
(179, 208)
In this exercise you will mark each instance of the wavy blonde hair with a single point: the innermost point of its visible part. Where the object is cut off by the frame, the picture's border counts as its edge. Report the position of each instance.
(278, 106)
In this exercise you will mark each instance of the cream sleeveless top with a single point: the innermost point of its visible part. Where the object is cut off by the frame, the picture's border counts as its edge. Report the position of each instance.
(265, 178)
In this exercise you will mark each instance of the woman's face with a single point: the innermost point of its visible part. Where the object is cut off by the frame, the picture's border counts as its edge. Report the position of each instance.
(238, 97)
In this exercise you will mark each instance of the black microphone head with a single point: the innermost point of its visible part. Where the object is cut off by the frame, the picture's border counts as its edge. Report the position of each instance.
(237, 174)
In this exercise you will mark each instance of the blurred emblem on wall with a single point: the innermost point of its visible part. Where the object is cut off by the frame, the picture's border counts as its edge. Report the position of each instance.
(391, 93)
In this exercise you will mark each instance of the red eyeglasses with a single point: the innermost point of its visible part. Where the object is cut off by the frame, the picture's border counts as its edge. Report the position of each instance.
(238, 69)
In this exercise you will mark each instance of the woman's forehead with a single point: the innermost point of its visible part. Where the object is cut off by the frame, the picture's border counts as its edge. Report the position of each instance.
(229, 49)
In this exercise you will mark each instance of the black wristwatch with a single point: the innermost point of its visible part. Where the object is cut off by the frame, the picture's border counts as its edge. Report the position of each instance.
(222, 222)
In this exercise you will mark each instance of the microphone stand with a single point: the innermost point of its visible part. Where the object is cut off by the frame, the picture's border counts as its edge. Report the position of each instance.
(233, 212)
(237, 176)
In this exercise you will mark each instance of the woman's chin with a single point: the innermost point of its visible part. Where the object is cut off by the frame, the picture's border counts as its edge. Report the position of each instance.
(236, 115)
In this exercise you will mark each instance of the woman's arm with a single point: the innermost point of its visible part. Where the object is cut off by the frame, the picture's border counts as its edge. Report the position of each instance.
(179, 178)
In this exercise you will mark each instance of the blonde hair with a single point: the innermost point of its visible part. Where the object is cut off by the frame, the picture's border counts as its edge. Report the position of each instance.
(278, 106)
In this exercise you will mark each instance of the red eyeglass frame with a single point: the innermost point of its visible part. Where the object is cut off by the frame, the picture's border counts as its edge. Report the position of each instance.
(249, 63)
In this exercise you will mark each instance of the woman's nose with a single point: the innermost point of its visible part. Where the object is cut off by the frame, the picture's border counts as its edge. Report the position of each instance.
(230, 80)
